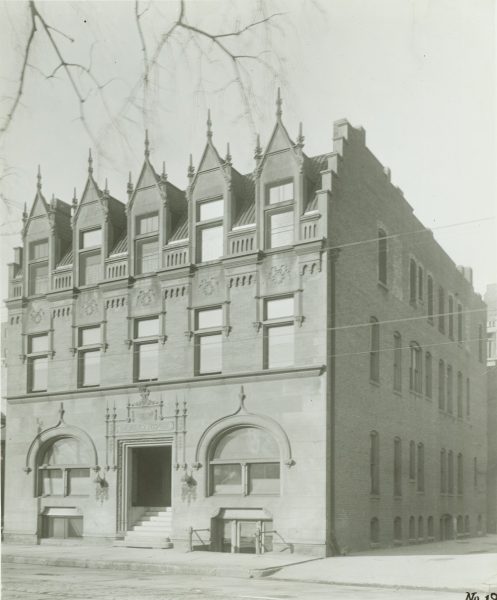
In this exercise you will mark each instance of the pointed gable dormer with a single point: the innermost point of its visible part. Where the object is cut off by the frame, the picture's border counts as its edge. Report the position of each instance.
(210, 202)
(281, 186)
(46, 237)
(98, 222)
(156, 207)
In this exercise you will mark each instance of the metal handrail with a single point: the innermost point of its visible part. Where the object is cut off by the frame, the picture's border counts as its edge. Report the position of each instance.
(259, 546)
(191, 532)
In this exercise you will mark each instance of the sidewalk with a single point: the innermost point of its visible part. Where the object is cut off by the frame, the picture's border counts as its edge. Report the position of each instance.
(465, 566)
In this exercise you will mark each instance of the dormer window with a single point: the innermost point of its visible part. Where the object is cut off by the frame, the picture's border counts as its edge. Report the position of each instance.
(280, 193)
(210, 242)
(279, 215)
(147, 244)
(38, 267)
(91, 238)
(147, 224)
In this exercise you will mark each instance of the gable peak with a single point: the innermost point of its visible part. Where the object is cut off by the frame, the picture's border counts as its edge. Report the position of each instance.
(147, 145)
(38, 179)
(90, 162)
(279, 103)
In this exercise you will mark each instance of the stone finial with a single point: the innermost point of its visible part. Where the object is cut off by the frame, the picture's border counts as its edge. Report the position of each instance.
(300, 137)
(147, 144)
(52, 202)
(258, 149)
(279, 102)
(90, 162)
(228, 154)
(74, 199)
(163, 175)
(209, 124)
(24, 213)
(106, 187)
(191, 170)
(129, 187)
(38, 179)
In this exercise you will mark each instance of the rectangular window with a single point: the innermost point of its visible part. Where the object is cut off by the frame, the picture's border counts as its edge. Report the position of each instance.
(89, 268)
(264, 478)
(147, 256)
(209, 353)
(450, 470)
(460, 474)
(52, 482)
(281, 193)
(89, 336)
(413, 276)
(78, 480)
(374, 458)
(147, 361)
(420, 283)
(147, 327)
(211, 243)
(415, 381)
(89, 356)
(441, 309)
(38, 250)
(280, 346)
(38, 374)
(441, 385)
(280, 308)
(412, 460)
(468, 397)
(280, 229)
(91, 238)
(38, 278)
(443, 472)
(38, 343)
(227, 479)
(89, 368)
(460, 393)
(214, 209)
(397, 362)
(450, 390)
(147, 224)
(209, 317)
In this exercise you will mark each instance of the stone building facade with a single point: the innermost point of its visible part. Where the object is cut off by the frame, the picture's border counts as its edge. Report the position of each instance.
(285, 359)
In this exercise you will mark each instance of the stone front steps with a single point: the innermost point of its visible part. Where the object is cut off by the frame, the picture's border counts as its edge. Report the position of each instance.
(152, 531)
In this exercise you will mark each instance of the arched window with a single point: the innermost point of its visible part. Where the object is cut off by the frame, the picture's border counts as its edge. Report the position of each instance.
(245, 461)
(397, 361)
(412, 528)
(374, 531)
(421, 528)
(412, 460)
(428, 376)
(374, 353)
(431, 532)
(421, 468)
(413, 275)
(382, 256)
(375, 463)
(397, 529)
(415, 368)
(441, 385)
(460, 474)
(430, 299)
(397, 467)
(64, 468)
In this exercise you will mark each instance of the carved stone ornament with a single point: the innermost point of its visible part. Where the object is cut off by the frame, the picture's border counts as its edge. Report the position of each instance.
(89, 306)
(279, 273)
(37, 315)
(145, 297)
(208, 285)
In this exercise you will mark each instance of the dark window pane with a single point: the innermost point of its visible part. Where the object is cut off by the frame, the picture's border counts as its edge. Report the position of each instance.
(226, 479)
(264, 478)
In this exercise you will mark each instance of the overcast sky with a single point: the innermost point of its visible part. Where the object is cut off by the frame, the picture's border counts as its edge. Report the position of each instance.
(418, 75)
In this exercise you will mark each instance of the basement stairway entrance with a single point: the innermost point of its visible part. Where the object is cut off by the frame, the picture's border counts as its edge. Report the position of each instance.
(150, 511)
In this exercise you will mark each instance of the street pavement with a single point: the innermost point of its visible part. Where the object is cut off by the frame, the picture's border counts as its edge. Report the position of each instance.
(35, 582)
(459, 567)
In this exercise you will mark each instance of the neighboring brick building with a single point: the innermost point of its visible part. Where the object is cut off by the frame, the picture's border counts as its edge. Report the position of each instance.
(491, 301)
(286, 356)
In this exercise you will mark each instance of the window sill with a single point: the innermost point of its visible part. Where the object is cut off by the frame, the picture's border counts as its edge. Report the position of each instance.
(383, 286)
(208, 373)
(398, 393)
(86, 387)
(374, 382)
